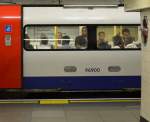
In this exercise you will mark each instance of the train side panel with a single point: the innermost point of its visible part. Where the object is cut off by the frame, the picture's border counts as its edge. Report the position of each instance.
(47, 69)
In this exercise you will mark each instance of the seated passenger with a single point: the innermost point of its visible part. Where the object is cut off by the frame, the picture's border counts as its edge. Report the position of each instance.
(81, 42)
(44, 42)
(27, 42)
(118, 42)
(102, 43)
(127, 39)
(65, 42)
(59, 36)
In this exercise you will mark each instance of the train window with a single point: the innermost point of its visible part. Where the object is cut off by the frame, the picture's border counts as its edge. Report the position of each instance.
(43, 37)
(118, 37)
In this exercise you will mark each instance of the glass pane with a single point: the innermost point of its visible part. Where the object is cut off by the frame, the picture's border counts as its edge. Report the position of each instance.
(118, 37)
(56, 37)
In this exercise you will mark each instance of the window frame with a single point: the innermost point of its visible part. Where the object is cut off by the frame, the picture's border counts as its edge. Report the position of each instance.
(91, 41)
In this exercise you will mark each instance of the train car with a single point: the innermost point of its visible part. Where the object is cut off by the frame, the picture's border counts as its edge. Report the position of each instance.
(70, 49)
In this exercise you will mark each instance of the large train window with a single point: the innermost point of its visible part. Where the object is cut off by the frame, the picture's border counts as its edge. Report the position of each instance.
(118, 37)
(45, 37)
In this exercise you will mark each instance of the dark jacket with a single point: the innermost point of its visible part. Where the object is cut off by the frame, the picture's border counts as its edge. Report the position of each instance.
(104, 45)
(117, 40)
(81, 42)
(128, 40)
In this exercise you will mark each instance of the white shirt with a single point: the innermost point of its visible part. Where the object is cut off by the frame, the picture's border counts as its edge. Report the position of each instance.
(44, 47)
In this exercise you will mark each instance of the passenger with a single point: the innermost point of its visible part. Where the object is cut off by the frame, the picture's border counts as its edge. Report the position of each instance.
(65, 42)
(118, 42)
(59, 36)
(81, 42)
(127, 39)
(44, 42)
(27, 42)
(102, 43)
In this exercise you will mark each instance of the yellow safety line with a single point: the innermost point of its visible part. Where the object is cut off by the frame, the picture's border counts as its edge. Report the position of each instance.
(54, 101)
(100, 101)
(68, 101)
(19, 102)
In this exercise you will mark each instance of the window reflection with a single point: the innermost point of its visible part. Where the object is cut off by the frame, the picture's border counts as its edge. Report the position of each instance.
(57, 37)
(118, 37)
(43, 37)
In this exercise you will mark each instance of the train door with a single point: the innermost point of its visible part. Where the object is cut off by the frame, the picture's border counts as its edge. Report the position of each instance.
(10, 46)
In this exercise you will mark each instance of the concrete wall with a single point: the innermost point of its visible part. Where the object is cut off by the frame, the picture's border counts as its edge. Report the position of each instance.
(144, 7)
(136, 4)
(145, 109)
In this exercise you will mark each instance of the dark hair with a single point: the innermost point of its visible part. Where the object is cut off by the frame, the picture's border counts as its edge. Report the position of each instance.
(117, 40)
(67, 41)
(101, 32)
(27, 36)
(145, 24)
(126, 30)
(84, 27)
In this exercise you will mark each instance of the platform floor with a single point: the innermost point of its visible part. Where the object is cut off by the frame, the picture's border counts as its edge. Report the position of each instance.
(93, 112)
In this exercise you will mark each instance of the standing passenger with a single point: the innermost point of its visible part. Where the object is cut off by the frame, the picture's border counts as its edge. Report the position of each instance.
(81, 42)
(118, 42)
(102, 43)
(59, 36)
(127, 37)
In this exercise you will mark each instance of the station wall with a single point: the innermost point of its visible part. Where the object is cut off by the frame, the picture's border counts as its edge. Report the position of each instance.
(145, 109)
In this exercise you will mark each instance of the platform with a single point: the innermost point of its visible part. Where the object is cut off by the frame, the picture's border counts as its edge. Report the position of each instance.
(90, 112)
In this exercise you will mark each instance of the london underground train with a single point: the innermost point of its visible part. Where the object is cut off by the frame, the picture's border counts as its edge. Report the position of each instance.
(72, 49)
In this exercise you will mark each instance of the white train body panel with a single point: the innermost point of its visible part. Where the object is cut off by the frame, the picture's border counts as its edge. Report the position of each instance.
(52, 63)
(60, 15)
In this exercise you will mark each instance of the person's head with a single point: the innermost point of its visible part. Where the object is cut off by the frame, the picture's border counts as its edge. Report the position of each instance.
(66, 40)
(101, 36)
(84, 31)
(44, 40)
(118, 34)
(145, 17)
(126, 33)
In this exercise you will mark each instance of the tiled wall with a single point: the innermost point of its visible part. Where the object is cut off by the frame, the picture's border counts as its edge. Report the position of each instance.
(145, 112)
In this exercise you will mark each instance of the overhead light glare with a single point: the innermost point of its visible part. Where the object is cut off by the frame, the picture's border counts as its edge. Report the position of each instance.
(90, 6)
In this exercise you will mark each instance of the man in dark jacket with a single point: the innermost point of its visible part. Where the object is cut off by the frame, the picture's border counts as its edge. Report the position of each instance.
(102, 43)
(127, 38)
(81, 42)
(118, 41)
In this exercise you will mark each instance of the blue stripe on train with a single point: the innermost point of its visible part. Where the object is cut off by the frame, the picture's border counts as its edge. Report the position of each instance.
(82, 82)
